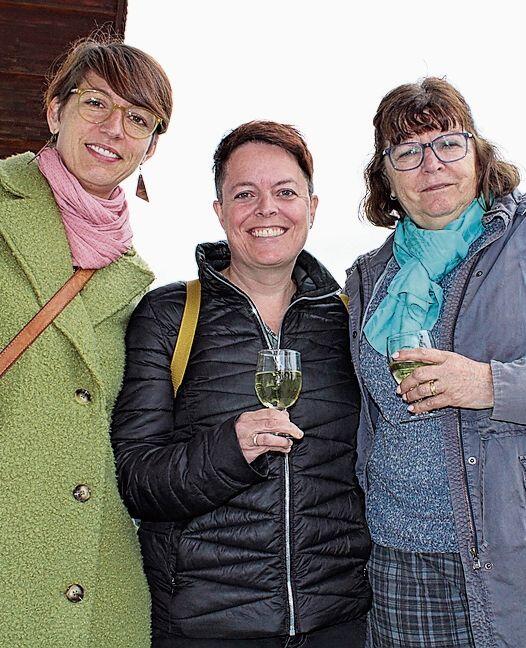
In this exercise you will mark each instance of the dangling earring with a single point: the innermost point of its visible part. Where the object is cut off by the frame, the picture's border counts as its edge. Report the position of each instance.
(49, 144)
(141, 192)
(392, 196)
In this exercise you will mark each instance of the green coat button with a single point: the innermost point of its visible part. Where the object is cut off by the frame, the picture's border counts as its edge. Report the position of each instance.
(83, 396)
(74, 593)
(82, 493)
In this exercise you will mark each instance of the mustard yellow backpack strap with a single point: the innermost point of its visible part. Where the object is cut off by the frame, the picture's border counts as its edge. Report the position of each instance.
(186, 335)
(345, 300)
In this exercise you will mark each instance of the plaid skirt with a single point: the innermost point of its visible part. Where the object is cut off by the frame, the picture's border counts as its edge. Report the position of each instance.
(419, 600)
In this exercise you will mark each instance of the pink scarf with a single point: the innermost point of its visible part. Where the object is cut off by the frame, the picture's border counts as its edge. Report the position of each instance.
(98, 230)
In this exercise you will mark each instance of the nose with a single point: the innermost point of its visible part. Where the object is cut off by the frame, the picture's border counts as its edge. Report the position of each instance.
(431, 163)
(113, 124)
(266, 205)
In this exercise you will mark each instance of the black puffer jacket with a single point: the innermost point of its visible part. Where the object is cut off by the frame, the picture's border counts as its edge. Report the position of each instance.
(233, 550)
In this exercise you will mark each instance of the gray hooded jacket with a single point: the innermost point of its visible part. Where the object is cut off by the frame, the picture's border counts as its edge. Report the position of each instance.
(485, 449)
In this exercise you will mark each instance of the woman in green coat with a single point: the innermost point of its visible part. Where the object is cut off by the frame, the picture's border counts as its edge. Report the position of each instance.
(71, 572)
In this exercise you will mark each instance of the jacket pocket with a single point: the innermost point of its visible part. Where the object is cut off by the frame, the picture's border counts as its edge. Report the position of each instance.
(171, 560)
(171, 570)
(503, 491)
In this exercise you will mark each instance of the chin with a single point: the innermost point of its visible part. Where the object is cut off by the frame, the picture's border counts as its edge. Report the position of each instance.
(440, 208)
(274, 261)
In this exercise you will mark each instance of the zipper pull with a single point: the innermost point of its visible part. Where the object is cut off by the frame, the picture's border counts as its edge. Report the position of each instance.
(475, 557)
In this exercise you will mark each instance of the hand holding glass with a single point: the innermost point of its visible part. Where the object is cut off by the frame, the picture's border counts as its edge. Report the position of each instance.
(402, 369)
(397, 342)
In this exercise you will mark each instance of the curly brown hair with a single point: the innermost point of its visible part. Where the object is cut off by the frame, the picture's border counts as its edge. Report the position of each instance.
(415, 108)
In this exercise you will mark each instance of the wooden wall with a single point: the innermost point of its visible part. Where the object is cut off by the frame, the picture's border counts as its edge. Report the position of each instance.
(32, 35)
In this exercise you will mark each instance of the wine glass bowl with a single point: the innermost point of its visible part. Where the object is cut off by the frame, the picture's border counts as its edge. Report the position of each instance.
(278, 378)
(399, 341)
(402, 369)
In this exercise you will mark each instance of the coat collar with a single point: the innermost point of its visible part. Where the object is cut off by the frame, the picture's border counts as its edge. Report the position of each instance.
(505, 207)
(312, 278)
(31, 225)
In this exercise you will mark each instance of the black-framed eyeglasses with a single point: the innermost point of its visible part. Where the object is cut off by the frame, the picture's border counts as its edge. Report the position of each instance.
(96, 107)
(410, 155)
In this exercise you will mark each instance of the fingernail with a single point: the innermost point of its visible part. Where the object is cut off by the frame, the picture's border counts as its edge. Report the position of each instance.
(404, 398)
(398, 390)
(411, 408)
(395, 354)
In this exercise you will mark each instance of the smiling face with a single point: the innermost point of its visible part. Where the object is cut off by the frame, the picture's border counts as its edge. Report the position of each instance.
(435, 193)
(266, 210)
(102, 155)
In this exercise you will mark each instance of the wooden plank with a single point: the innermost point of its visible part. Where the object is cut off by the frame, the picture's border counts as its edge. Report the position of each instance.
(82, 6)
(33, 39)
(14, 146)
(21, 109)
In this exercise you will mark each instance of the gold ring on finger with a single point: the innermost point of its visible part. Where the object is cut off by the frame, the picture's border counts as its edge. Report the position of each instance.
(432, 387)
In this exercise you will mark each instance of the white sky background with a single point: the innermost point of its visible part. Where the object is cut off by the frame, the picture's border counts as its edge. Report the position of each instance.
(323, 66)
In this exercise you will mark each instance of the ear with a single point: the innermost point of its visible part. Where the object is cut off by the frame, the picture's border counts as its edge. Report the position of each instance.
(151, 148)
(218, 208)
(53, 115)
(387, 178)
(313, 208)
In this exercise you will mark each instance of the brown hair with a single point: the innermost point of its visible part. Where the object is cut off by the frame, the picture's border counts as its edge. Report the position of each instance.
(282, 135)
(130, 72)
(416, 108)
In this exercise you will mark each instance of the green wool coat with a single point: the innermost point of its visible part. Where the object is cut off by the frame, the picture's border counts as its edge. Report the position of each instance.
(54, 438)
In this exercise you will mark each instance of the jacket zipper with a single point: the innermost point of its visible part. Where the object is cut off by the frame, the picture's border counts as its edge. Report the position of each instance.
(474, 549)
(288, 550)
(288, 557)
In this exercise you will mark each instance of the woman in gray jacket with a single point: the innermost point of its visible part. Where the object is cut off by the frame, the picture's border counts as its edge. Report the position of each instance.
(442, 457)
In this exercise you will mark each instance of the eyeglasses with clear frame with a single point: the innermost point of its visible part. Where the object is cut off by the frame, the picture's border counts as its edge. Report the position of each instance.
(96, 107)
(450, 147)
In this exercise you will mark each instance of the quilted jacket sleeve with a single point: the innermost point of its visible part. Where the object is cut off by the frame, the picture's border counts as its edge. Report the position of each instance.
(161, 477)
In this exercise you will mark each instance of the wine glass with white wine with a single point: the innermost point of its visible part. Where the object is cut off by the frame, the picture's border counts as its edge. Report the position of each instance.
(401, 369)
(278, 378)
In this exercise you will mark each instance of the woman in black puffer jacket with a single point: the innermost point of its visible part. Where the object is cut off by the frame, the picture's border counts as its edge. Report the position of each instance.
(248, 538)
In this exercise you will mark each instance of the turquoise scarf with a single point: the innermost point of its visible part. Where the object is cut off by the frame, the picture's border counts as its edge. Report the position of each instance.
(414, 297)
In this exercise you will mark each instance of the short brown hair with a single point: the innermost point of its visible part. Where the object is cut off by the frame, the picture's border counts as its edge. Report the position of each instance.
(416, 108)
(130, 72)
(269, 132)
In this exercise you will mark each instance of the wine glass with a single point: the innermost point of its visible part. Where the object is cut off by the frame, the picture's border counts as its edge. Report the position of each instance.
(402, 369)
(278, 378)
(399, 341)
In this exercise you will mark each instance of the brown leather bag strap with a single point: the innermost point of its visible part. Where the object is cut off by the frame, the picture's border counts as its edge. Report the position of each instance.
(24, 338)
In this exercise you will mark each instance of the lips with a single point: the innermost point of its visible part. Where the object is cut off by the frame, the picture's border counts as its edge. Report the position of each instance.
(103, 151)
(437, 187)
(271, 231)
